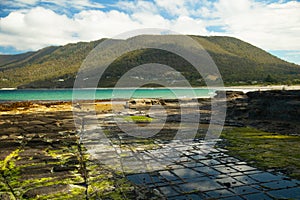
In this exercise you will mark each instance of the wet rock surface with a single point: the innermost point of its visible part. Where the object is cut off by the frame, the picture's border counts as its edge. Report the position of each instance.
(189, 170)
(216, 175)
(182, 169)
(41, 157)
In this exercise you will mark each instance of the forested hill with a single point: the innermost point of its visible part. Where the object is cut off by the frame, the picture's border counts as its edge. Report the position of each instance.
(56, 67)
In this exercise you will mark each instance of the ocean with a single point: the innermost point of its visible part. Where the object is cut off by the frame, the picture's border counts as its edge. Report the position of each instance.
(104, 93)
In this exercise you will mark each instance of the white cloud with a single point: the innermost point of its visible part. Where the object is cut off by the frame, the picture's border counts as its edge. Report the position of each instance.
(270, 26)
(187, 25)
(92, 25)
(40, 27)
(35, 28)
(140, 6)
(174, 7)
(149, 20)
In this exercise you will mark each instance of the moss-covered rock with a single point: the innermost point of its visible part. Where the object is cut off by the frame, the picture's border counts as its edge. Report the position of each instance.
(264, 149)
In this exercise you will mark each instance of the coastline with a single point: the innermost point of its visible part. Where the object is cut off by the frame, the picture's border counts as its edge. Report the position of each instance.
(275, 87)
(268, 87)
(68, 96)
(42, 141)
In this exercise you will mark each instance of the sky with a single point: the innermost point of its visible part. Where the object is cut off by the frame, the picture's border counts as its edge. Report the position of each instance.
(26, 25)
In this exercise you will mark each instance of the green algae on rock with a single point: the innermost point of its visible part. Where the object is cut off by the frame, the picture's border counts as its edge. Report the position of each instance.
(265, 150)
(41, 158)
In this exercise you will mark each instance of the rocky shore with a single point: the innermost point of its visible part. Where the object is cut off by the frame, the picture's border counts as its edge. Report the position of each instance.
(273, 111)
(42, 157)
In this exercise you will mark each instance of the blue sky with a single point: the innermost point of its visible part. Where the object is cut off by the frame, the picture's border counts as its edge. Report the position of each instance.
(26, 25)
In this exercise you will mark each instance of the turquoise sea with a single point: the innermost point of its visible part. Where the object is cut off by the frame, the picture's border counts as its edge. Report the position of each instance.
(69, 94)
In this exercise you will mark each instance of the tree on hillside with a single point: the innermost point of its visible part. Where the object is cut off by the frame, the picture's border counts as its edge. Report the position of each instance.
(270, 79)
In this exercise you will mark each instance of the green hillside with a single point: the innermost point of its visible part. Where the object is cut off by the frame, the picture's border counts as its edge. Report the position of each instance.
(56, 67)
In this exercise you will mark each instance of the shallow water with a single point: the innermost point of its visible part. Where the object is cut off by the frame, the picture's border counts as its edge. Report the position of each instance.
(69, 94)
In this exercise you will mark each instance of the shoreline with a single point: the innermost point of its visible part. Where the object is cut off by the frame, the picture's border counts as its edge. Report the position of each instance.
(268, 87)
(275, 87)
(244, 89)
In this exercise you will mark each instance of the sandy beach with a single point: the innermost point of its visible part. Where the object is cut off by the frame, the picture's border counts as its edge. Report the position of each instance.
(250, 88)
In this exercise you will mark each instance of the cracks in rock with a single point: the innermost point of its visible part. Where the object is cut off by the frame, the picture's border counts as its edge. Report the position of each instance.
(83, 170)
(7, 160)
(8, 185)
(82, 160)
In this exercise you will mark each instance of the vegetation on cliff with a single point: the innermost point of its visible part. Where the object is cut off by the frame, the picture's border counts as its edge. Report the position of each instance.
(56, 67)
